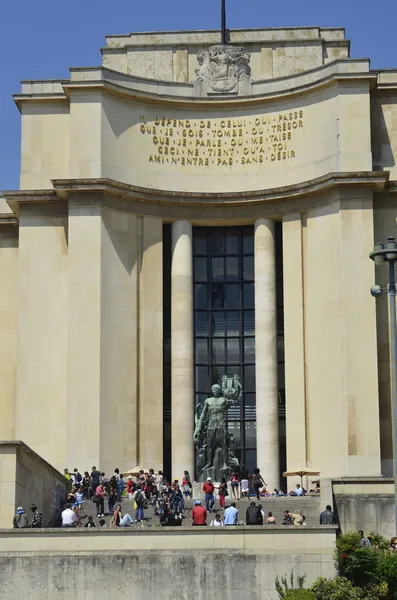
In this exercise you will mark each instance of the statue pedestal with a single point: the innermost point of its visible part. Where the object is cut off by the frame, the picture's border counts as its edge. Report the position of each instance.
(218, 469)
(197, 491)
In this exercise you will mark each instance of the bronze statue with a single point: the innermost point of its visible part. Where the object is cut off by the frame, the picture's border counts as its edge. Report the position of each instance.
(211, 437)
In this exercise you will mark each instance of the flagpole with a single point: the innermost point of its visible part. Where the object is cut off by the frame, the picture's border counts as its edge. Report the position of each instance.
(223, 21)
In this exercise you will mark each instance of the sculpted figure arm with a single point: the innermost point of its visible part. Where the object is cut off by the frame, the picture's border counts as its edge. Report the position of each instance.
(199, 425)
(229, 402)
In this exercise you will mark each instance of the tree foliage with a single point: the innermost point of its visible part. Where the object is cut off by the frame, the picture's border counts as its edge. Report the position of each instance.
(387, 573)
(364, 574)
(299, 595)
(373, 570)
(339, 588)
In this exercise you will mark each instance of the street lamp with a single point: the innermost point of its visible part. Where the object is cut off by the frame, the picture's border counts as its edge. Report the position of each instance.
(388, 253)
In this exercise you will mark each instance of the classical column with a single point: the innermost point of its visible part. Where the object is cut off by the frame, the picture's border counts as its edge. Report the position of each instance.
(182, 379)
(266, 353)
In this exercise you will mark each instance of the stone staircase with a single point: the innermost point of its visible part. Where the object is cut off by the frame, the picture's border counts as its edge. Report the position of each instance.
(308, 505)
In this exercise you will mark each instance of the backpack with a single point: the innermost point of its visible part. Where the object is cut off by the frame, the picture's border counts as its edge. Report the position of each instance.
(140, 499)
(20, 521)
(17, 521)
(78, 477)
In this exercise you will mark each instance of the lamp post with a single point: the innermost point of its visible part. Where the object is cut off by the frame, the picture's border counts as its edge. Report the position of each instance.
(388, 253)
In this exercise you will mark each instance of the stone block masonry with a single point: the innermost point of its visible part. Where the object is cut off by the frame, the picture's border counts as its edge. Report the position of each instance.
(186, 563)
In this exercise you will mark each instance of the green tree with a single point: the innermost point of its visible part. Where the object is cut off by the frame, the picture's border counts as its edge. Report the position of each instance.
(348, 542)
(361, 566)
(335, 589)
(373, 569)
(387, 572)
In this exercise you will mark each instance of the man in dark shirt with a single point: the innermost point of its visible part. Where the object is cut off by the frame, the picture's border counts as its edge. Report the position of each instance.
(37, 521)
(90, 522)
(364, 540)
(95, 475)
(254, 515)
(286, 518)
(327, 517)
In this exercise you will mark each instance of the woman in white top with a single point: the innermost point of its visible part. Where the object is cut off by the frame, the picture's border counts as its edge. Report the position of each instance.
(160, 481)
(217, 522)
(245, 488)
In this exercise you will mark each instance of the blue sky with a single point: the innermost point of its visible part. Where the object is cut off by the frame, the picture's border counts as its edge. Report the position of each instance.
(42, 39)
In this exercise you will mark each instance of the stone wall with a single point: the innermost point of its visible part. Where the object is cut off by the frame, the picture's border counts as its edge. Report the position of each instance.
(188, 563)
(367, 513)
(172, 56)
(366, 504)
(26, 478)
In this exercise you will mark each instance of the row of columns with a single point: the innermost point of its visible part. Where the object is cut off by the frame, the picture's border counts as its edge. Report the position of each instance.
(182, 353)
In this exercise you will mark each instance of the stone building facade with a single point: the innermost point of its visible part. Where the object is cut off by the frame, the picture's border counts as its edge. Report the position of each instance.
(189, 210)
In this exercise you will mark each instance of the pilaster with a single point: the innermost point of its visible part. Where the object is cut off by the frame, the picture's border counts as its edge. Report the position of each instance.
(102, 336)
(182, 375)
(151, 343)
(41, 379)
(9, 288)
(294, 333)
(266, 353)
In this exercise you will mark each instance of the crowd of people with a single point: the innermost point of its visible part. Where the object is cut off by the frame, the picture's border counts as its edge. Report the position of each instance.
(144, 488)
(167, 499)
(369, 541)
(241, 483)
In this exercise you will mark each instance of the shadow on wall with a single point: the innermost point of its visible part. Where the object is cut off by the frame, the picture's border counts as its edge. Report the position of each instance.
(122, 231)
(120, 115)
(382, 149)
(131, 236)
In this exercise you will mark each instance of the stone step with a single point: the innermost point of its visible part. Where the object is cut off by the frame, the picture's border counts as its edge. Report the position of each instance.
(309, 506)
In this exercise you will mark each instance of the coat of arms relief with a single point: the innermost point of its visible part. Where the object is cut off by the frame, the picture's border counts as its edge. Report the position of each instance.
(222, 66)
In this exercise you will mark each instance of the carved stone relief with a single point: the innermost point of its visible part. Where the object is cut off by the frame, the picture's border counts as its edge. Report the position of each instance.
(223, 66)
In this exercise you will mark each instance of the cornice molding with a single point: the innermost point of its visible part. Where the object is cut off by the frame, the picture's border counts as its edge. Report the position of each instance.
(65, 188)
(183, 94)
